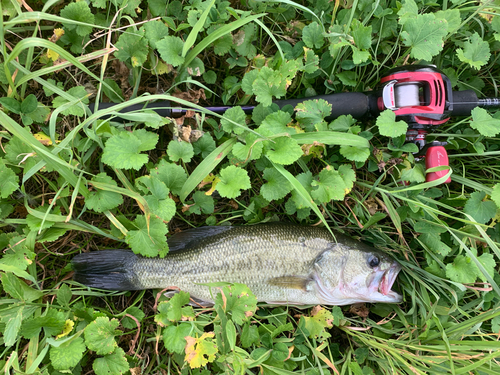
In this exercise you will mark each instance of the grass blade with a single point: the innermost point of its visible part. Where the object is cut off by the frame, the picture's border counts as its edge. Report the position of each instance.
(302, 192)
(331, 138)
(216, 35)
(196, 29)
(206, 167)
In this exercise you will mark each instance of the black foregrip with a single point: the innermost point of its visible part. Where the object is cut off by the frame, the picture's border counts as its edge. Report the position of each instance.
(163, 108)
(355, 104)
(464, 102)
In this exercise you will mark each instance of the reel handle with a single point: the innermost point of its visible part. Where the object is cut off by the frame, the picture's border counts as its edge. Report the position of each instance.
(436, 156)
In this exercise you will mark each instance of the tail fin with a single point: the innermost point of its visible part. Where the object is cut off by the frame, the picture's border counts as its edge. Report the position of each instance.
(106, 269)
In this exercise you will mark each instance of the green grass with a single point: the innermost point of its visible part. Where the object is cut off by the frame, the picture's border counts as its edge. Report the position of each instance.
(345, 174)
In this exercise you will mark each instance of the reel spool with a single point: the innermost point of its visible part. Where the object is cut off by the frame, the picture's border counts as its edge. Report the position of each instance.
(419, 95)
(400, 95)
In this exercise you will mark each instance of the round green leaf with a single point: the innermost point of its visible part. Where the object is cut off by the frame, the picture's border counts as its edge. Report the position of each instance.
(170, 49)
(232, 181)
(180, 151)
(111, 364)
(29, 104)
(100, 335)
(68, 354)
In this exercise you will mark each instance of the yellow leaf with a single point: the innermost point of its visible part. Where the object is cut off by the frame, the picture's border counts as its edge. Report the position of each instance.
(135, 62)
(214, 185)
(297, 128)
(320, 320)
(68, 327)
(200, 351)
(43, 138)
(52, 55)
(58, 33)
(208, 179)
(162, 68)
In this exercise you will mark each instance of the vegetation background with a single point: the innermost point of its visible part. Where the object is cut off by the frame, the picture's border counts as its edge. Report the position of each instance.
(72, 180)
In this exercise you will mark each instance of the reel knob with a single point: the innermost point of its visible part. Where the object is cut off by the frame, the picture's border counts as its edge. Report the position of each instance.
(436, 156)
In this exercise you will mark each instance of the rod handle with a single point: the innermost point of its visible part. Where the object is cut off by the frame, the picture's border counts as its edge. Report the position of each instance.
(355, 104)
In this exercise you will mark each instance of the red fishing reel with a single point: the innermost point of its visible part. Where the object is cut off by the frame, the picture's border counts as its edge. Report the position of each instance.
(422, 97)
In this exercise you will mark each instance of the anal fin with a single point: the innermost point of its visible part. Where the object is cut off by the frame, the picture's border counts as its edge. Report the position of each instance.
(193, 301)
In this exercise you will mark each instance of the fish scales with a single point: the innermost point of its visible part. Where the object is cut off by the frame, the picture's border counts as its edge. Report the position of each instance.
(280, 263)
(245, 255)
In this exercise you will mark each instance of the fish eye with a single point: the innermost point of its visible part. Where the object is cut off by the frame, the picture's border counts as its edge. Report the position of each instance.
(373, 261)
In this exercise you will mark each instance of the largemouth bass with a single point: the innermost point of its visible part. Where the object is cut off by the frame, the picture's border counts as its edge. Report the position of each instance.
(280, 263)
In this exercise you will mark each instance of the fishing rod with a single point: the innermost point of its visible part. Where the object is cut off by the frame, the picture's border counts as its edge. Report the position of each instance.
(420, 95)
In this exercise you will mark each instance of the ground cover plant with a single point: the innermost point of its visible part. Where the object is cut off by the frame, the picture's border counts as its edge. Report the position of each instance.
(72, 180)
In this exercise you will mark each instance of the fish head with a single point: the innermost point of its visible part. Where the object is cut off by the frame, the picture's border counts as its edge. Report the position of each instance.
(346, 276)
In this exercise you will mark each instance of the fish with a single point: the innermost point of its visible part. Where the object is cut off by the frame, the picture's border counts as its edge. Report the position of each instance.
(280, 263)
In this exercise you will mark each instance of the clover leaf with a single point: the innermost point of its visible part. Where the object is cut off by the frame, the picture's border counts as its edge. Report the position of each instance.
(484, 123)
(202, 203)
(237, 301)
(462, 270)
(312, 35)
(148, 241)
(123, 150)
(388, 126)
(312, 112)
(320, 320)
(476, 52)
(111, 364)
(232, 181)
(174, 337)
(170, 49)
(100, 335)
(80, 12)
(285, 151)
(276, 187)
(103, 200)
(482, 211)
(200, 351)
(267, 85)
(231, 116)
(68, 354)
(155, 31)
(9, 181)
(330, 185)
(76, 109)
(173, 175)
(132, 47)
(495, 195)
(180, 150)
(424, 34)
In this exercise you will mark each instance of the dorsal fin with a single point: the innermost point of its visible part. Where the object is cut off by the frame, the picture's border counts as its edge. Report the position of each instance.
(292, 282)
(188, 238)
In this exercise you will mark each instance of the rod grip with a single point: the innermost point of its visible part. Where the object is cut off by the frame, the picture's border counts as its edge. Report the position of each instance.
(464, 102)
(355, 104)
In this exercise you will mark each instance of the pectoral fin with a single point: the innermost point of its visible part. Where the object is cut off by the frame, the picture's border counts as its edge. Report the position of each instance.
(291, 282)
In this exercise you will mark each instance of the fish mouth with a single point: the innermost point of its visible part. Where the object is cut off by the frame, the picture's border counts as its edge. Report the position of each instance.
(387, 281)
